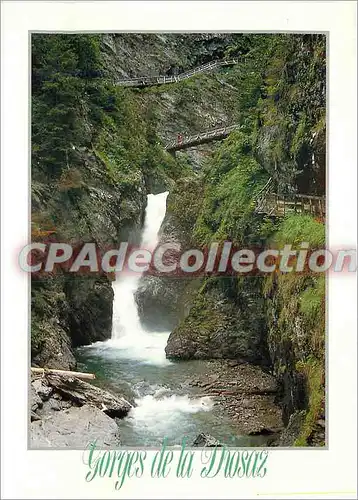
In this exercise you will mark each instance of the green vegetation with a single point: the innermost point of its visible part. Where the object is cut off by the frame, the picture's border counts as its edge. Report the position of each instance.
(232, 180)
(97, 150)
(298, 228)
(309, 289)
(296, 306)
(282, 102)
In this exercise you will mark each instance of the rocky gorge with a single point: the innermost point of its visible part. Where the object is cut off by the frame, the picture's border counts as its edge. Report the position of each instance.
(98, 149)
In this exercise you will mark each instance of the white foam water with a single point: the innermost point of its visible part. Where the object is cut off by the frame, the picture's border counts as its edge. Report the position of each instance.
(128, 335)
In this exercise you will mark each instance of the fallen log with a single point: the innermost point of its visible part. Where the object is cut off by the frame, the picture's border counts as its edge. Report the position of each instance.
(82, 393)
(80, 375)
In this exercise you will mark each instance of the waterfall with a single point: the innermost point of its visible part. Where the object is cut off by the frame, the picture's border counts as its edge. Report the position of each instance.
(132, 356)
(127, 331)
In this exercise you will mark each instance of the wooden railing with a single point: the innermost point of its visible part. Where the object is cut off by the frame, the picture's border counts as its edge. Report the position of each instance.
(194, 140)
(280, 206)
(147, 81)
(270, 203)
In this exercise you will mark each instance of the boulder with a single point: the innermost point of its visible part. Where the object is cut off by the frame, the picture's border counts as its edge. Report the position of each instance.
(42, 389)
(205, 440)
(54, 347)
(74, 429)
(36, 401)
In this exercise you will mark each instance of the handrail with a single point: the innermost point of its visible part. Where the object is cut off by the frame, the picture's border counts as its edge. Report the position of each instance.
(164, 79)
(266, 186)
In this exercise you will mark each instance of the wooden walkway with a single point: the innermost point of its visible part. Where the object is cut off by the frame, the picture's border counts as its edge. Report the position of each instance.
(194, 140)
(270, 203)
(149, 81)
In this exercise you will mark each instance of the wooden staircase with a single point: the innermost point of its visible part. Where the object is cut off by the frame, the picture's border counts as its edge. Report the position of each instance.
(270, 203)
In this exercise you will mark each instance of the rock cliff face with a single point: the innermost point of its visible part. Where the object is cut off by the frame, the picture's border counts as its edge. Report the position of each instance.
(296, 338)
(224, 322)
(90, 176)
(68, 311)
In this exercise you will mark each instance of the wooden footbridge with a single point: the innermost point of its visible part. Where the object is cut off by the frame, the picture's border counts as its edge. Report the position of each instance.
(270, 203)
(149, 81)
(185, 142)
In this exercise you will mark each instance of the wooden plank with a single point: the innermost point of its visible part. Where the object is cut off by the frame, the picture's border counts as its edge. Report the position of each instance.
(81, 375)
